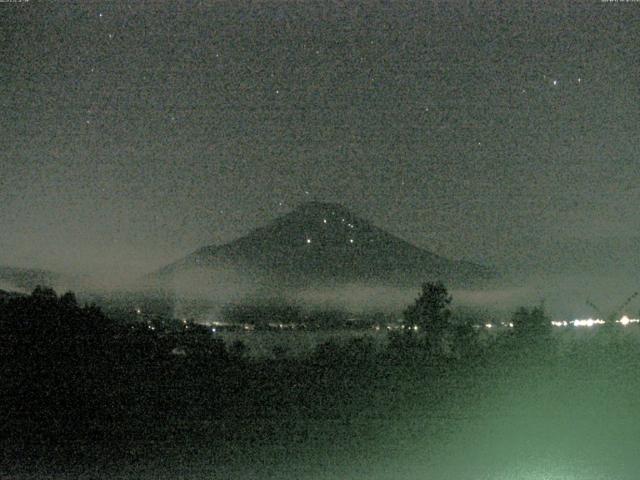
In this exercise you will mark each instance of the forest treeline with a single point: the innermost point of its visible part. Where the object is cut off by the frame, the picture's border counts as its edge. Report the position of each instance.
(76, 382)
(45, 323)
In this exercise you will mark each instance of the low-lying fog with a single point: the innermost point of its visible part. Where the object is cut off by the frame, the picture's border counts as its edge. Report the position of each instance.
(563, 295)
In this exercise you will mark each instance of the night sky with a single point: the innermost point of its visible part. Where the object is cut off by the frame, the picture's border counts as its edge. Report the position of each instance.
(135, 132)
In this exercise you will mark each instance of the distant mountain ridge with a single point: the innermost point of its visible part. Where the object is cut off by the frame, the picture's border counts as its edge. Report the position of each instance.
(26, 279)
(325, 243)
(6, 295)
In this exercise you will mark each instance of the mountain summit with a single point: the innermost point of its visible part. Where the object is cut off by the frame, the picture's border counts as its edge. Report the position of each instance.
(326, 244)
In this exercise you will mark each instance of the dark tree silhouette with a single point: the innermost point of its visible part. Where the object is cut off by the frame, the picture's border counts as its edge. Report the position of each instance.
(430, 313)
(465, 340)
(68, 300)
(531, 322)
(44, 294)
(238, 349)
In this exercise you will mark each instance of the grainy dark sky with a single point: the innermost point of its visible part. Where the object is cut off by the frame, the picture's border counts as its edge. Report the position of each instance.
(134, 132)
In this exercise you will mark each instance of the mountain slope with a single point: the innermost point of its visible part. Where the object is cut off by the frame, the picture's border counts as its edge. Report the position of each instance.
(324, 243)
